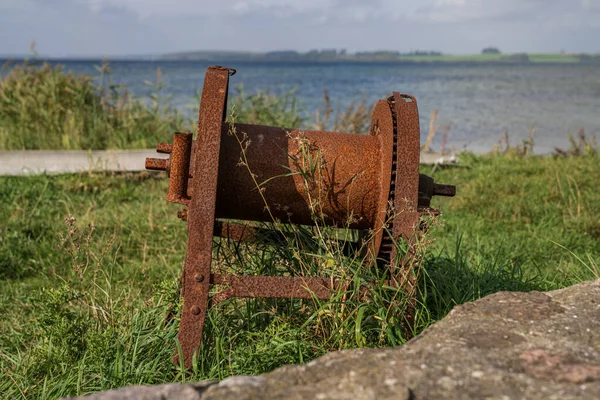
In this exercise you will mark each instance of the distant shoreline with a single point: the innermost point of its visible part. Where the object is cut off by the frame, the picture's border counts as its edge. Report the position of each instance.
(306, 58)
(385, 57)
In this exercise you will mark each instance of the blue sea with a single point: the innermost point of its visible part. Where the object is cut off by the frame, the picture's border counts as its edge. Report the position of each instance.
(480, 101)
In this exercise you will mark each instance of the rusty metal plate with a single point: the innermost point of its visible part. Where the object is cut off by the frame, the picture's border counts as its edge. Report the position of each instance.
(406, 200)
(286, 287)
(201, 213)
(382, 126)
(406, 196)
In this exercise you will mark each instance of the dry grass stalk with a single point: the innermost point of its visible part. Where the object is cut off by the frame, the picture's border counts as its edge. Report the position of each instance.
(433, 128)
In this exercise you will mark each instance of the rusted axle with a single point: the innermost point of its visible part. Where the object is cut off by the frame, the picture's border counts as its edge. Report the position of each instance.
(262, 173)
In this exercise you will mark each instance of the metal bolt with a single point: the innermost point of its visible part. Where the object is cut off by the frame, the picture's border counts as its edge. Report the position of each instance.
(199, 278)
(195, 310)
(444, 190)
(164, 148)
(182, 214)
(157, 164)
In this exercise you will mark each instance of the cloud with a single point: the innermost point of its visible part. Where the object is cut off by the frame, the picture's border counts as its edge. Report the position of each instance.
(590, 4)
(93, 27)
(377, 11)
(150, 8)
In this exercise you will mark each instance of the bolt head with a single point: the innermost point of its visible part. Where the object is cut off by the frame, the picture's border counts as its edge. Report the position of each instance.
(195, 310)
(182, 214)
(199, 278)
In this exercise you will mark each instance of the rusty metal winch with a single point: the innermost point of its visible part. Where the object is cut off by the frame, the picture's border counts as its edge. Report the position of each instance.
(370, 182)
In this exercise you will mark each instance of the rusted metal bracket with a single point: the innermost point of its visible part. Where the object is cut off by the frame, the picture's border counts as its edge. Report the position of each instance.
(365, 182)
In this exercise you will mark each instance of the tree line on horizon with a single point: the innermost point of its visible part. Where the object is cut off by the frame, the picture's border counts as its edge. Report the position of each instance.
(378, 55)
(293, 55)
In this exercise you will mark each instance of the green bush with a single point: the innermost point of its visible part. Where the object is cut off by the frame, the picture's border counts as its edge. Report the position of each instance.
(42, 107)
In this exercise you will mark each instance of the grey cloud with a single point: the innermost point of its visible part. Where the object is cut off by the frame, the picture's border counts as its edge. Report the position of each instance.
(505, 10)
(114, 27)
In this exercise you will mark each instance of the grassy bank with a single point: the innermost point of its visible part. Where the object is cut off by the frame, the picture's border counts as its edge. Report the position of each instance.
(533, 57)
(44, 107)
(89, 266)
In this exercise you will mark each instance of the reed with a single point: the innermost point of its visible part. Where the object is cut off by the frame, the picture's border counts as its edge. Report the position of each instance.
(44, 107)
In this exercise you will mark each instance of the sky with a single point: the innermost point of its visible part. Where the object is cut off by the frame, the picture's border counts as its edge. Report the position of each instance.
(143, 27)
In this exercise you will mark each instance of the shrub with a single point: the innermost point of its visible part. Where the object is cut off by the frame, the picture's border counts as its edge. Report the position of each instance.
(44, 107)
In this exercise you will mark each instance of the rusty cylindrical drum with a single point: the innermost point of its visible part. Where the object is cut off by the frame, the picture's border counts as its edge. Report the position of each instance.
(296, 175)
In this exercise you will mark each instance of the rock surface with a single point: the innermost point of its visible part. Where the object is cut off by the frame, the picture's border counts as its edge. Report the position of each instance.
(505, 346)
(169, 391)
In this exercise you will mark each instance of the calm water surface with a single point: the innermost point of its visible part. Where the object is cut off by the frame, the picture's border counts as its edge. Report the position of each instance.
(480, 101)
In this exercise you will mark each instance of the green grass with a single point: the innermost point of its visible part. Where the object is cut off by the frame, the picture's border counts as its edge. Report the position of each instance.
(553, 58)
(91, 304)
(530, 207)
(42, 107)
(452, 57)
(533, 57)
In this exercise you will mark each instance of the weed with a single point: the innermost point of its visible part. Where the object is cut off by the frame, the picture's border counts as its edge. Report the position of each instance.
(580, 146)
(318, 250)
(264, 108)
(42, 107)
(522, 150)
(355, 119)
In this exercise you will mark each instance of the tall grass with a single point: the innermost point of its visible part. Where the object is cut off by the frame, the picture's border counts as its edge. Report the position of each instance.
(44, 107)
(92, 302)
(265, 108)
